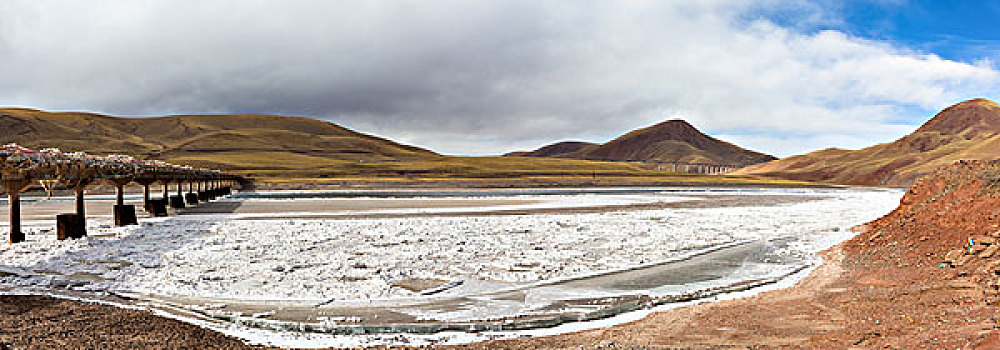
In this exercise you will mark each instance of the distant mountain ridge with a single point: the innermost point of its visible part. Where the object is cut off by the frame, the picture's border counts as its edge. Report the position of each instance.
(224, 141)
(669, 141)
(554, 150)
(968, 130)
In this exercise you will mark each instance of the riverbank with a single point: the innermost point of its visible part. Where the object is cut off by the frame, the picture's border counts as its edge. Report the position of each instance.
(572, 339)
(909, 280)
(40, 322)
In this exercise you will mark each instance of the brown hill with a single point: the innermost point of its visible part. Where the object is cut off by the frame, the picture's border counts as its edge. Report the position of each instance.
(233, 142)
(669, 141)
(554, 150)
(968, 130)
(294, 152)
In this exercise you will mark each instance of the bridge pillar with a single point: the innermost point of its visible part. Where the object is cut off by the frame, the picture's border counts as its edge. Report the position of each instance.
(190, 196)
(13, 188)
(202, 194)
(16, 236)
(145, 196)
(81, 206)
(120, 189)
(123, 214)
(145, 182)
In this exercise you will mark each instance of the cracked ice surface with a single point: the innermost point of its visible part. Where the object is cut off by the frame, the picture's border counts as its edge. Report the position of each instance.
(320, 259)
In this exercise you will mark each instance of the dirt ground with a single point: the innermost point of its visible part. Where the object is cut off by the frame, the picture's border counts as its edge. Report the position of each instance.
(35, 322)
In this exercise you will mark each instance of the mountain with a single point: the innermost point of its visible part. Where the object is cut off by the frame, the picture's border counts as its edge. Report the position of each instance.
(669, 141)
(554, 150)
(303, 153)
(231, 142)
(966, 131)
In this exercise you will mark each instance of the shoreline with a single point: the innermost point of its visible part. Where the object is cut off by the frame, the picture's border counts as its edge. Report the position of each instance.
(258, 336)
(908, 280)
(651, 311)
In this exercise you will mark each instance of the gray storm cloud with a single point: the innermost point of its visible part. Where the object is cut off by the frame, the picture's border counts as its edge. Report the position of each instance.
(478, 77)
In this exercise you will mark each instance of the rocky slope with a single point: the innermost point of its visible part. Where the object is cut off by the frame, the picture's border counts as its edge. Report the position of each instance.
(669, 141)
(968, 130)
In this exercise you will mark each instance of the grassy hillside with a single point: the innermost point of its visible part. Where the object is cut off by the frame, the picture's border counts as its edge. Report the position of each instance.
(966, 131)
(282, 149)
(212, 138)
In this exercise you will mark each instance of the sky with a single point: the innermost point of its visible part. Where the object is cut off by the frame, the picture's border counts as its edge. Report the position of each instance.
(487, 77)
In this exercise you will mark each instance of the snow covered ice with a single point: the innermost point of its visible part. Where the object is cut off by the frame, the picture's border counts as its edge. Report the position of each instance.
(265, 258)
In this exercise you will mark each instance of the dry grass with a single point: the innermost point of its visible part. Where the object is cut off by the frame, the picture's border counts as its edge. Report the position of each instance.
(282, 150)
(890, 164)
(966, 131)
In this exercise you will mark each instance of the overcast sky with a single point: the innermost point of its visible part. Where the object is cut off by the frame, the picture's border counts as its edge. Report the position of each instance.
(487, 77)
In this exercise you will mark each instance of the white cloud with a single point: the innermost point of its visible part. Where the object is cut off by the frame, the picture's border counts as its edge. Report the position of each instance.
(482, 77)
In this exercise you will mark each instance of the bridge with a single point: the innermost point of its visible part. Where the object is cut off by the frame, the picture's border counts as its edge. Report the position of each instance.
(686, 167)
(696, 168)
(21, 168)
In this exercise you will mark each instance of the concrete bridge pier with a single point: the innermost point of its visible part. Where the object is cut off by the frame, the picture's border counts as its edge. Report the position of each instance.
(146, 201)
(212, 192)
(190, 196)
(124, 214)
(166, 189)
(177, 202)
(159, 206)
(74, 225)
(202, 195)
(13, 187)
(81, 207)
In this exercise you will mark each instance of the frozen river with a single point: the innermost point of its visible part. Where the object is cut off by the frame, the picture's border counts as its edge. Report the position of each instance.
(348, 253)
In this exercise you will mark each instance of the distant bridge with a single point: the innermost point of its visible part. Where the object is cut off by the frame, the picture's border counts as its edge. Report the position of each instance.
(683, 167)
(696, 168)
(21, 168)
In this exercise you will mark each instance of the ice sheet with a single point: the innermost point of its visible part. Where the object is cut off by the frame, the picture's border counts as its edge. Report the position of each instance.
(310, 259)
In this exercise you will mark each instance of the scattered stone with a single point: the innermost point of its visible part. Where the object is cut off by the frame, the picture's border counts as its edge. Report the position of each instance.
(989, 252)
(993, 267)
(875, 236)
(964, 259)
(976, 249)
